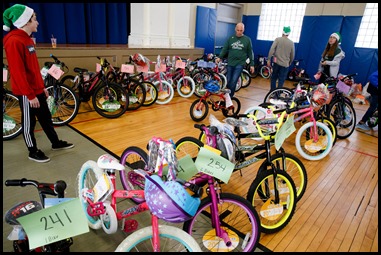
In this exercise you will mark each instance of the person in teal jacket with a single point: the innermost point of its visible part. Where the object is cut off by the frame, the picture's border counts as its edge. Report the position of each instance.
(237, 49)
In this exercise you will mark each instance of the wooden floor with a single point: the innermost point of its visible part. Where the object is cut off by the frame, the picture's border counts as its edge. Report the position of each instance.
(339, 211)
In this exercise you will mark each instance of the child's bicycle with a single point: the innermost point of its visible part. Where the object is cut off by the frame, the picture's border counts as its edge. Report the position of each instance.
(18, 235)
(223, 221)
(218, 98)
(98, 195)
(277, 202)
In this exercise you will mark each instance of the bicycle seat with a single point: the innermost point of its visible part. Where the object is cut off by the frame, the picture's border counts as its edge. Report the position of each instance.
(106, 161)
(18, 210)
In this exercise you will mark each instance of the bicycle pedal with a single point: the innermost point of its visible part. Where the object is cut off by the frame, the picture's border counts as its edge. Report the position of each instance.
(130, 225)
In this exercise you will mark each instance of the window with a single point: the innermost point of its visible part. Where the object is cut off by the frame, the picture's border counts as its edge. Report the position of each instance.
(368, 32)
(275, 16)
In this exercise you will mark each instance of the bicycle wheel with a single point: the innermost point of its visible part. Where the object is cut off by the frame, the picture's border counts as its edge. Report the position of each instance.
(165, 92)
(344, 116)
(136, 95)
(63, 104)
(186, 86)
(274, 212)
(238, 85)
(237, 217)
(109, 220)
(199, 78)
(305, 144)
(246, 78)
(172, 239)
(87, 178)
(259, 112)
(232, 110)
(188, 146)
(265, 72)
(12, 126)
(110, 101)
(199, 110)
(278, 93)
(331, 125)
(291, 75)
(151, 93)
(292, 166)
(133, 158)
(256, 71)
(224, 80)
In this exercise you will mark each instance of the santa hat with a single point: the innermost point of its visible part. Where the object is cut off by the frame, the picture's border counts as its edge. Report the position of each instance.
(286, 30)
(337, 36)
(18, 15)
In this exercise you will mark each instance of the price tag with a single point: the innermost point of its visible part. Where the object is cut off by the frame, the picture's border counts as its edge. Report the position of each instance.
(55, 71)
(211, 163)
(180, 64)
(126, 68)
(163, 68)
(228, 100)
(284, 131)
(97, 67)
(143, 69)
(55, 223)
(5, 75)
(186, 168)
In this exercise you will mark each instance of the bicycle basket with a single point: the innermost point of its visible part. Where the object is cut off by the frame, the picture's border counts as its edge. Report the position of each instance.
(320, 95)
(212, 86)
(169, 200)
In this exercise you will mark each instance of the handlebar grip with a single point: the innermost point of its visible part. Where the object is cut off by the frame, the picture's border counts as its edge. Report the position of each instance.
(15, 182)
(279, 111)
(199, 126)
(60, 187)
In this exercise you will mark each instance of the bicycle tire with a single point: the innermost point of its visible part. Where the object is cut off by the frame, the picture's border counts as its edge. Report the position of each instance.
(293, 166)
(166, 94)
(265, 72)
(344, 116)
(238, 85)
(66, 107)
(199, 78)
(151, 93)
(176, 240)
(303, 136)
(184, 83)
(256, 71)
(133, 158)
(119, 98)
(246, 78)
(331, 125)
(232, 110)
(136, 95)
(188, 145)
(224, 80)
(291, 75)
(87, 178)
(259, 112)
(278, 93)
(109, 220)
(199, 109)
(283, 210)
(12, 126)
(239, 219)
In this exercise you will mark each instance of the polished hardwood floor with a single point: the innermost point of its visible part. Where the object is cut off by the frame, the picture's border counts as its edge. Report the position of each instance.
(339, 211)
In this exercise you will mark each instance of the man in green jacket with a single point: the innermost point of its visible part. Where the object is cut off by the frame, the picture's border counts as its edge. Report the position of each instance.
(237, 49)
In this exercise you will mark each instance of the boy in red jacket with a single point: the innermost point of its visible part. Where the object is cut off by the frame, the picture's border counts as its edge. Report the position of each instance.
(26, 79)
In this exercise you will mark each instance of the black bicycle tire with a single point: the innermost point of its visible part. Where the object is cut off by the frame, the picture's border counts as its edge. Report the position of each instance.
(248, 78)
(192, 109)
(154, 93)
(353, 120)
(133, 86)
(115, 87)
(236, 109)
(193, 146)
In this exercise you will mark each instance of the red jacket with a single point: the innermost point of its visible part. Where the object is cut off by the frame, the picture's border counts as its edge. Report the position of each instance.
(24, 70)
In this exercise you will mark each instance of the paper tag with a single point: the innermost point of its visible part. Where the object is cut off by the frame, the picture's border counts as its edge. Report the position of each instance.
(127, 68)
(163, 68)
(56, 72)
(97, 67)
(180, 64)
(143, 69)
(228, 100)
(5, 75)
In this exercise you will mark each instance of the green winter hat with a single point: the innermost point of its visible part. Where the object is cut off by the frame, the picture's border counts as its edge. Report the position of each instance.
(18, 15)
(286, 30)
(337, 35)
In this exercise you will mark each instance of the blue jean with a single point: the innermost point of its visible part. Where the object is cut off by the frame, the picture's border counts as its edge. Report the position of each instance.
(279, 73)
(232, 75)
(373, 104)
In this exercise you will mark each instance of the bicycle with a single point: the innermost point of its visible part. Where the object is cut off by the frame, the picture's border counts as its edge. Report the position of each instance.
(285, 191)
(296, 71)
(110, 100)
(62, 101)
(176, 76)
(98, 195)
(20, 241)
(219, 100)
(12, 126)
(373, 120)
(247, 152)
(261, 67)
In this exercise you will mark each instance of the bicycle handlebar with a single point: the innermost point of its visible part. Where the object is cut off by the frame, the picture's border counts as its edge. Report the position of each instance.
(57, 61)
(54, 189)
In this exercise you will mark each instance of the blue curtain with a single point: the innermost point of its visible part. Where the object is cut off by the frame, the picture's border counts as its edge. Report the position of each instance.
(81, 23)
